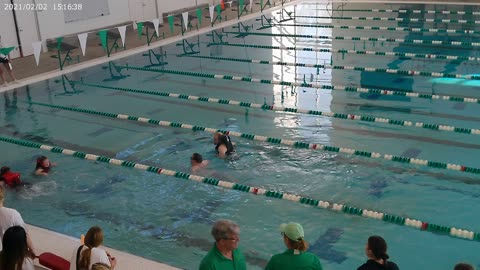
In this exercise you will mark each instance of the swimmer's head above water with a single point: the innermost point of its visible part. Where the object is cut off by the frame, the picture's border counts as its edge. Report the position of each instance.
(196, 158)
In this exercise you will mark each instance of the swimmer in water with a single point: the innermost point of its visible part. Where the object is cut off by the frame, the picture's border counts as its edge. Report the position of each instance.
(43, 166)
(11, 179)
(223, 145)
(197, 162)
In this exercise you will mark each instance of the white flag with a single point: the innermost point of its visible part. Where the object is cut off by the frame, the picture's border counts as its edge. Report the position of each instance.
(37, 49)
(185, 20)
(122, 29)
(156, 23)
(135, 25)
(83, 42)
(212, 10)
(251, 5)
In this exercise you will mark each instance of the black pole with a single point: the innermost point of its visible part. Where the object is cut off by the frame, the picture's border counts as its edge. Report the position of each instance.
(16, 30)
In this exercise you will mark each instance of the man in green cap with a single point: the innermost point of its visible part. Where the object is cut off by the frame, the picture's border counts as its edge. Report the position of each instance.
(225, 254)
(295, 257)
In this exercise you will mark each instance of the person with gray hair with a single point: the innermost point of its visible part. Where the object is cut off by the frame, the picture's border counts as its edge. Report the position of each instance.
(224, 254)
(9, 218)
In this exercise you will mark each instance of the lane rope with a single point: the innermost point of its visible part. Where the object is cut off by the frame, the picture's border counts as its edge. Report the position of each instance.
(304, 84)
(277, 108)
(460, 21)
(366, 69)
(372, 39)
(344, 51)
(335, 207)
(414, 11)
(290, 143)
(379, 28)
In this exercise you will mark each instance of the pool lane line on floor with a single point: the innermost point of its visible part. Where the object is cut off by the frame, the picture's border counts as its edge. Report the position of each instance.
(406, 11)
(344, 51)
(271, 140)
(393, 19)
(276, 108)
(336, 207)
(306, 85)
(460, 44)
(376, 28)
(354, 68)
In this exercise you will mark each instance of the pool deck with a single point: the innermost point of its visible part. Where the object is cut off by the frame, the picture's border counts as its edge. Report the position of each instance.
(64, 246)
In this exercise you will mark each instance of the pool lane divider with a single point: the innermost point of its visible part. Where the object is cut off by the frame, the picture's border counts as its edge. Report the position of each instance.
(372, 39)
(276, 108)
(271, 140)
(344, 51)
(406, 11)
(336, 207)
(393, 19)
(304, 84)
(378, 28)
(365, 69)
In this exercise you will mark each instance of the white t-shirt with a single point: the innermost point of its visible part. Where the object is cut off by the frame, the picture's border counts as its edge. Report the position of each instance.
(9, 218)
(28, 264)
(98, 256)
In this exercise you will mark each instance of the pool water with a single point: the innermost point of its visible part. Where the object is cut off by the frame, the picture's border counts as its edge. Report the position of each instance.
(169, 220)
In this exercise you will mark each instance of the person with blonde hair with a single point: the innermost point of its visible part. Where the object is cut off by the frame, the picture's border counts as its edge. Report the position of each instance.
(89, 254)
(296, 255)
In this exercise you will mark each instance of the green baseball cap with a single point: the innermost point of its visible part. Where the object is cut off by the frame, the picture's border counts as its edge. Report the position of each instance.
(293, 231)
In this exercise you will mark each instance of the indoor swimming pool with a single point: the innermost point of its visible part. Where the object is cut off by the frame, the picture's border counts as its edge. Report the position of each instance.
(427, 80)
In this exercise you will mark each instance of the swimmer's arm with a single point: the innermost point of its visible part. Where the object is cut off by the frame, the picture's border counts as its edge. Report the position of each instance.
(222, 150)
(40, 172)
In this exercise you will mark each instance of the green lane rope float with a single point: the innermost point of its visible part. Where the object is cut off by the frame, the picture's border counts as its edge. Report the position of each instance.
(307, 85)
(394, 19)
(389, 40)
(366, 69)
(381, 28)
(296, 111)
(336, 207)
(414, 11)
(343, 51)
(290, 143)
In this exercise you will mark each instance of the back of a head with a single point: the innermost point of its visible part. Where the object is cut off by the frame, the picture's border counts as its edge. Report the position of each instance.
(223, 227)
(15, 247)
(378, 246)
(463, 266)
(197, 157)
(4, 170)
(100, 266)
(40, 161)
(94, 237)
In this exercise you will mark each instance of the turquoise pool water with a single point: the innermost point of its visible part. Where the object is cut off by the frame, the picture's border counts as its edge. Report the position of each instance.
(168, 219)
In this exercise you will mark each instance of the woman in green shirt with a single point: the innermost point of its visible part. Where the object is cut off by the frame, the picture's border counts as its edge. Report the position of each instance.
(295, 257)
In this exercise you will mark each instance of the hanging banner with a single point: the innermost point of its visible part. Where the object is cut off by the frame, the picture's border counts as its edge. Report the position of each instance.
(185, 20)
(199, 16)
(156, 23)
(140, 29)
(251, 5)
(241, 4)
(59, 42)
(122, 30)
(171, 19)
(37, 49)
(103, 38)
(211, 9)
(83, 42)
(219, 10)
(134, 25)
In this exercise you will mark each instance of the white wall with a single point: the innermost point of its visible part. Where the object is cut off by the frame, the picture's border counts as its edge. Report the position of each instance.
(166, 6)
(52, 22)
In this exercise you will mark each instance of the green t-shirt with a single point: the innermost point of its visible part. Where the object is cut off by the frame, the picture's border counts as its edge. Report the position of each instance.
(290, 261)
(214, 260)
